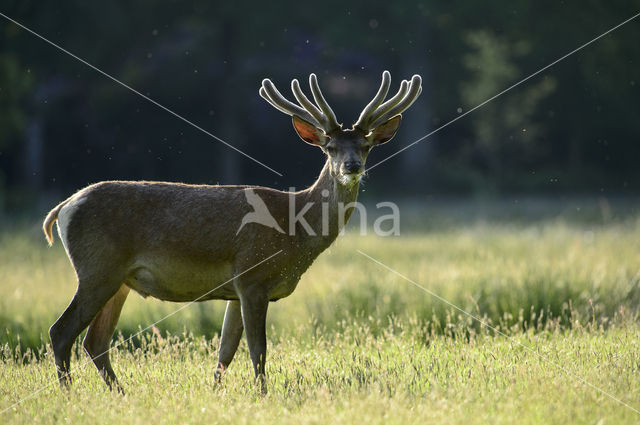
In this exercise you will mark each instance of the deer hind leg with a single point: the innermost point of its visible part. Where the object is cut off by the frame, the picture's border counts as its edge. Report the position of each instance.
(92, 294)
(231, 334)
(96, 342)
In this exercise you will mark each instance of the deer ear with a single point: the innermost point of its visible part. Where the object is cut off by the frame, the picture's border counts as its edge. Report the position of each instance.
(384, 132)
(309, 133)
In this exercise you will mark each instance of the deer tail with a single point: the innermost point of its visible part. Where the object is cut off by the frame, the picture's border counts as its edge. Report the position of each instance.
(47, 226)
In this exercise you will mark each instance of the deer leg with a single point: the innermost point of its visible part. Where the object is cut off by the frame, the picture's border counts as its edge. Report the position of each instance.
(254, 305)
(231, 333)
(96, 342)
(91, 296)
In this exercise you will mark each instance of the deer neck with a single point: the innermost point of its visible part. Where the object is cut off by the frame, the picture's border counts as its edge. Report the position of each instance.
(328, 198)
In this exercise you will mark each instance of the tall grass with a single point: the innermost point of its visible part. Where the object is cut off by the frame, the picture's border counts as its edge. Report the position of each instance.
(348, 376)
(356, 343)
(560, 264)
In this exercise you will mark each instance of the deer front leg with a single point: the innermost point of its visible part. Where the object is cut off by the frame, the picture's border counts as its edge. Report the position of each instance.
(230, 338)
(254, 302)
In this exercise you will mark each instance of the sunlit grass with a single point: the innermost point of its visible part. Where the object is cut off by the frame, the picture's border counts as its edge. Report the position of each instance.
(357, 343)
(350, 376)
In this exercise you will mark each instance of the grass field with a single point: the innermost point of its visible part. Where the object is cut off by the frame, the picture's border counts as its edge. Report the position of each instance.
(558, 282)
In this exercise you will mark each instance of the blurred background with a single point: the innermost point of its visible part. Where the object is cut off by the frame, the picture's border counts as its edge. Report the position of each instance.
(573, 129)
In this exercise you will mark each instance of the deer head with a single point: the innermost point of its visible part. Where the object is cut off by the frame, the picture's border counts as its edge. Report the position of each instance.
(346, 150)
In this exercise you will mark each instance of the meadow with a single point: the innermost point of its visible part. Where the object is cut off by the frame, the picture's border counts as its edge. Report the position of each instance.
(553, 287)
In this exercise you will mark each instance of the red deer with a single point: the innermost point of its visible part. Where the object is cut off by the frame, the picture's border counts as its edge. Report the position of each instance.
(179, 242)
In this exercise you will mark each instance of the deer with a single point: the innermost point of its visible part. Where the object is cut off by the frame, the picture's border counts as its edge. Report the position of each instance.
(182, 242)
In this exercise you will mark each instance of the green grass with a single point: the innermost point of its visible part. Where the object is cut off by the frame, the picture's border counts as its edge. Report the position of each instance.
(356, 343)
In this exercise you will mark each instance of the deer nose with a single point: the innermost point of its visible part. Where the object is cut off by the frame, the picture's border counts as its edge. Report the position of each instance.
(352, 166)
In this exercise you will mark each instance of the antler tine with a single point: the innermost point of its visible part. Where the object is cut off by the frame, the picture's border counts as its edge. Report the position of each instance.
(306, 103)
(265, 96)
(390, 103)
(414, 90)
(376, 101)
(269, 92)
(332, 121)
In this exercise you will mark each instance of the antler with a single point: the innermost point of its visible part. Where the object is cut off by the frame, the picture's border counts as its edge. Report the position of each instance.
(376, 112)
(320, 114)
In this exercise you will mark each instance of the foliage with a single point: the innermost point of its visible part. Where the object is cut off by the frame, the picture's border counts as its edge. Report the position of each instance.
(205, 61)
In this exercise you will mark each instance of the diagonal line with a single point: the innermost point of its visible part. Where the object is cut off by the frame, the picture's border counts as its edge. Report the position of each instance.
(526, 347)
(577, 49)
(39, 390)
(139, 94)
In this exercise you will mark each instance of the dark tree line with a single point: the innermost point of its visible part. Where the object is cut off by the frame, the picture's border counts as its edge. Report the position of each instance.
(573, 128)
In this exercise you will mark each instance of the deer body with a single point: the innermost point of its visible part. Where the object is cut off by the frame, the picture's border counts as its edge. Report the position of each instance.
(178, 242)
(181, 243)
